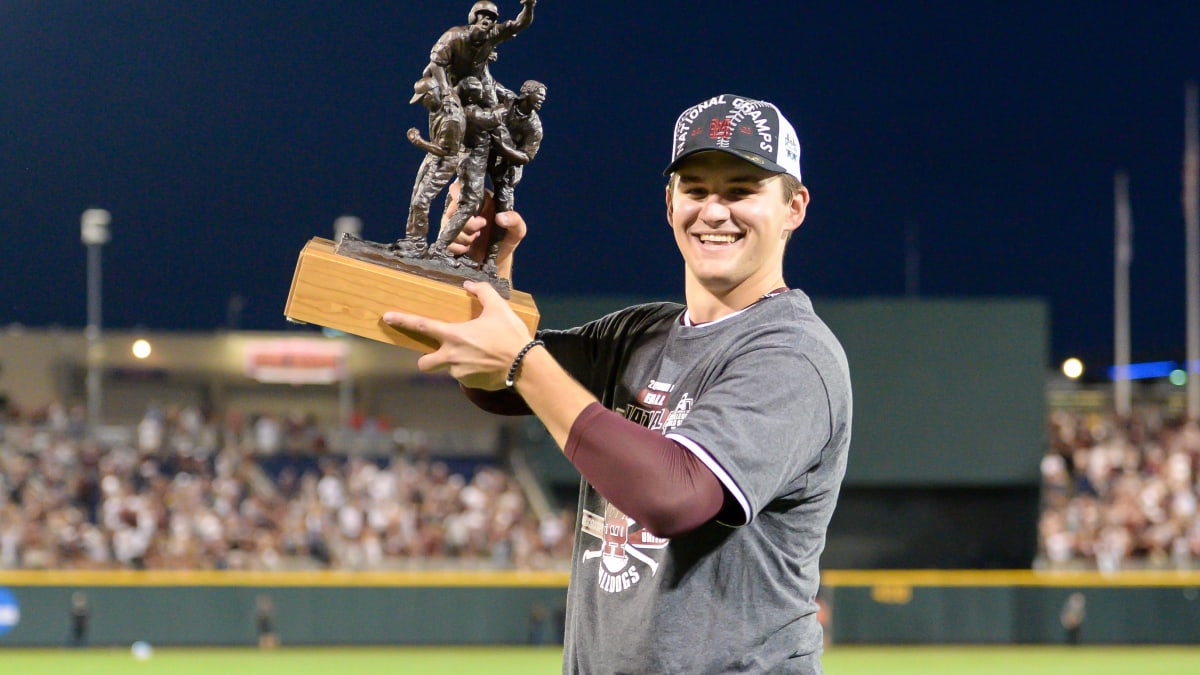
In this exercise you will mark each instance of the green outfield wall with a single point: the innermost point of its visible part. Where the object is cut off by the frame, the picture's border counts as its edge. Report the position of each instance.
(449, 608)
(947, 392)
(1011, 607)
(320, 608)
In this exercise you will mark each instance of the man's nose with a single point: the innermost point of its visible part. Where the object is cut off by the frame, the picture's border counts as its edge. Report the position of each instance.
(714, 210)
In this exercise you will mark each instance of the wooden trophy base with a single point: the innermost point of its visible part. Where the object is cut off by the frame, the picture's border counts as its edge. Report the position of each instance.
(352, 295)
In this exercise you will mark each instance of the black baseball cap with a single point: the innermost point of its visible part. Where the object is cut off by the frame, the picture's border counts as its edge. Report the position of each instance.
(747, 128)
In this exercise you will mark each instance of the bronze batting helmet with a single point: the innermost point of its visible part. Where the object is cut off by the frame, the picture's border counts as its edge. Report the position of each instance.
(483, 6)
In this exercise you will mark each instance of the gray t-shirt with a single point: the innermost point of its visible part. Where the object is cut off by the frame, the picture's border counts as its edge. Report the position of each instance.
(763, 399)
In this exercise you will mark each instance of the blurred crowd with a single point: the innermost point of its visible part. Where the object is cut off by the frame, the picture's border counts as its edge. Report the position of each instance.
(184, 489)
(254, 492)
(1120, 493)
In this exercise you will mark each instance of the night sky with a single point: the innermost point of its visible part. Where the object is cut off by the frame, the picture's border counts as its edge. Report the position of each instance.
(223, 134)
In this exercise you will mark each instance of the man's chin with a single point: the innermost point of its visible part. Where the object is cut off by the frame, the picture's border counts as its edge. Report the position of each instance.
(713, 281)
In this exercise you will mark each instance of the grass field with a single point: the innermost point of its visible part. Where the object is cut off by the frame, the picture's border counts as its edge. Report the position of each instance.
(839, 660)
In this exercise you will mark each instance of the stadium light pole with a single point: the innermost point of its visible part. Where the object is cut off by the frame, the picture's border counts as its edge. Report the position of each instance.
(1122, 388)
(1191, 210)
(93, 227)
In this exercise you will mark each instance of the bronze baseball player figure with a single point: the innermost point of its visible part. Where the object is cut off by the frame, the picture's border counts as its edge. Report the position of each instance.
(514, 145)
(447, 125)
(477, 130)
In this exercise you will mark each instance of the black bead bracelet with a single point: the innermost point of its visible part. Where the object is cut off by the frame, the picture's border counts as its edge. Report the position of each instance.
(512, 370)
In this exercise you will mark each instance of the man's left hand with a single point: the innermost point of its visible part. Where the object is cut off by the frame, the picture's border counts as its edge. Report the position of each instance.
(477, 353)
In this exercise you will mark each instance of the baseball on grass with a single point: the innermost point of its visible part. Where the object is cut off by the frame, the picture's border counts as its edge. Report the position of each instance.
(141, 650)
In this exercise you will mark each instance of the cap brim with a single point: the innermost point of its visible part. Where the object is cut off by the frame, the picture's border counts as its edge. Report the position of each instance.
(748, 157)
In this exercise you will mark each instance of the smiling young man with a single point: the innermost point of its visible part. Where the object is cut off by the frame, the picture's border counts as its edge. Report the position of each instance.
(712, 437)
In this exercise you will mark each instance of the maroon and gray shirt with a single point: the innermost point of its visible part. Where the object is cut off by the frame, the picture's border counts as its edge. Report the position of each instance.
(763, 399)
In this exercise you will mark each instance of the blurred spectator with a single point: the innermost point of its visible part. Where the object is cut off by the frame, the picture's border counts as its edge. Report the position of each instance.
(191, 491)
(80, 611)
(264, 622)
(1116, 495)
(1074, 611)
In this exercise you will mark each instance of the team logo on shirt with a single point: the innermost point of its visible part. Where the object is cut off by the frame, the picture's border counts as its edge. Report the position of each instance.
(621, 542)
(651, 407)
(679, 413)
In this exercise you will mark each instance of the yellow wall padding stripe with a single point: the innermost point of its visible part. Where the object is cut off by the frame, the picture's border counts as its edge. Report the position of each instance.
(559, 578)
(1038, 578)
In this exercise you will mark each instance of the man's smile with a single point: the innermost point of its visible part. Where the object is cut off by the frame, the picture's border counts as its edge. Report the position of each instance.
(718, 237)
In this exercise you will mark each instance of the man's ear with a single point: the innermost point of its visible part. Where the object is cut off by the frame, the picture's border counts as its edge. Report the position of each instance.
(670, 203)
(797, 208)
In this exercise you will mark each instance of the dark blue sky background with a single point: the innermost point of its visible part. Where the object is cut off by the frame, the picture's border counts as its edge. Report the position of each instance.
(222, 135)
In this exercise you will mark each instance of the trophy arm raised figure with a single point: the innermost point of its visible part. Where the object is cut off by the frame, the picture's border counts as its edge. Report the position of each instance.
(464, 51)
(458, 144)
(478, 130)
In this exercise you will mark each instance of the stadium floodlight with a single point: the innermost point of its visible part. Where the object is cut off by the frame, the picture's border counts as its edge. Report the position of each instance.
(1072, 368)
(141, 348)
(93, 226)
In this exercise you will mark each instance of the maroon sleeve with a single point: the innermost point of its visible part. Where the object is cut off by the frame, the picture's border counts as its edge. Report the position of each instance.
(501, 402)
(653, 479)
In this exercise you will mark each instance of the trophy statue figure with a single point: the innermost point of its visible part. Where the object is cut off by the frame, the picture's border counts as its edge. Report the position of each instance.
(447, 125)
(478, 131)
(514, 145)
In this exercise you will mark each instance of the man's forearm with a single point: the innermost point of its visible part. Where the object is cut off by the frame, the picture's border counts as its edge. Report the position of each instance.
(500, 402)
(652, 479)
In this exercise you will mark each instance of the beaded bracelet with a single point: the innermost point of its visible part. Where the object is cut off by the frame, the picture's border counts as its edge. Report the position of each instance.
(512, 370)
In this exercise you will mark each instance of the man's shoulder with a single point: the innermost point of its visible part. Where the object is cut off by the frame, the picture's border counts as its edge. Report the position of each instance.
(653, 311)
(786, 314)
(789, 321)
(795, 309)
(646, 315)
(642, 319)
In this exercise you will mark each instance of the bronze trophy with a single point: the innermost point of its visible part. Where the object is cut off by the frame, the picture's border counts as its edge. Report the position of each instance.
(478, 130)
